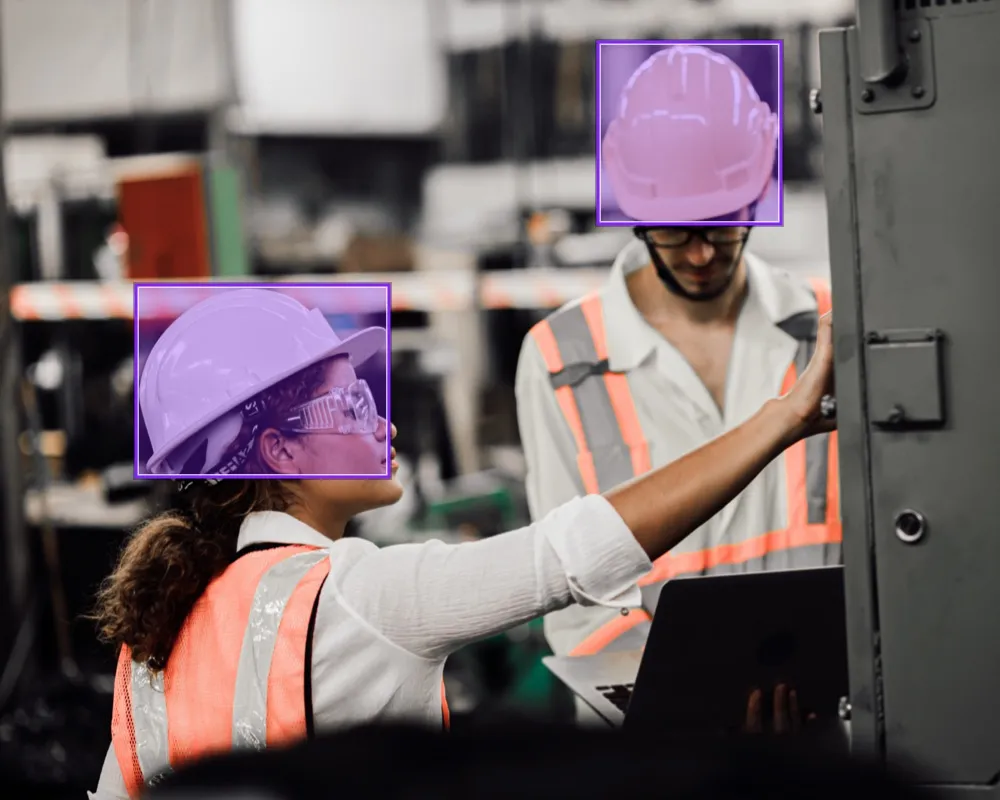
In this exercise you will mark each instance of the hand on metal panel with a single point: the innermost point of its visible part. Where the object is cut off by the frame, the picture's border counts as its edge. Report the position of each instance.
(812, 397)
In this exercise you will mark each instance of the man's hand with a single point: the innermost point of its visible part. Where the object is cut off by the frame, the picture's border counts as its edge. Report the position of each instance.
(786, 718)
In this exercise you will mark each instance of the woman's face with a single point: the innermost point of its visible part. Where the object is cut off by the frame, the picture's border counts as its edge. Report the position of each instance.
(332, 453)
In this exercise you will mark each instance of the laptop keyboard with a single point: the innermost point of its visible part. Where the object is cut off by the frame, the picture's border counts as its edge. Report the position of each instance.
(618, 695)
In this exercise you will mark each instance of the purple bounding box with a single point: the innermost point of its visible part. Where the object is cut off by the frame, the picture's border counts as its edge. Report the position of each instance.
(262, 380)
(689, 133)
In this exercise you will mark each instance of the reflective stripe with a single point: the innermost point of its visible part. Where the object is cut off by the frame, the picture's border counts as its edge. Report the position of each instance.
(545, 338)
(619, 394)
(833, 483)
(817, 451)
(217, 677)
(824, 304)
(445, 711)
(149, 722)
(269, 601)
(634, 638)
(600, 424)
(611, 631)
(600, 411)
(721, 558)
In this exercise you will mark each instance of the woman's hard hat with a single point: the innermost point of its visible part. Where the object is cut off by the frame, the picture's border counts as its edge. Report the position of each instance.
(220, 353)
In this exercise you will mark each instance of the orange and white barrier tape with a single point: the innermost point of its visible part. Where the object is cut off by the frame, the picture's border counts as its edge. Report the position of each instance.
(79, 300)
(417, 291)
(54, 301)
(539, 288)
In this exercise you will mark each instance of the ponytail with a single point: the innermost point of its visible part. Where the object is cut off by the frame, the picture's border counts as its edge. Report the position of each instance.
(169, 561)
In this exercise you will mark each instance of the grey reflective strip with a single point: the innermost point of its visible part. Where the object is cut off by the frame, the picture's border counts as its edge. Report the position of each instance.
(803, 327)
(269, 601)
(817, 453)
(149, 723)
(817, 470)
(633, 639)
(612, 459)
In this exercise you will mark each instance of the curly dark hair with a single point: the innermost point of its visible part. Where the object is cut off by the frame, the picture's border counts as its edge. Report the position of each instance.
(279, 400)
(170, 559)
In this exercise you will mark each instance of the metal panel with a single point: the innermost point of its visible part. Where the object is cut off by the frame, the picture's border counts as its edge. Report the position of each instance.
(912, 207)
(859, 584)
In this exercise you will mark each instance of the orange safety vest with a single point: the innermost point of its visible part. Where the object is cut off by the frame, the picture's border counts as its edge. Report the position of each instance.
(598, 407)
(238, 676)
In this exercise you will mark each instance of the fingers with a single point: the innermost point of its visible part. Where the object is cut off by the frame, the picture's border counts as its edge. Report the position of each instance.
(823, 356)
(824, 334)
(755, 716)
(782, 723)
(794, 713)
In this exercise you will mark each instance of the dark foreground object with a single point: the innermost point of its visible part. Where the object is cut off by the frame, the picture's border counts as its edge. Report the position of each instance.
(531, 762)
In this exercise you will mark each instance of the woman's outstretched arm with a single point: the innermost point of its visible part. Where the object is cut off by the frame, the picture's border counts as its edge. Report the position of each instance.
(432, 599)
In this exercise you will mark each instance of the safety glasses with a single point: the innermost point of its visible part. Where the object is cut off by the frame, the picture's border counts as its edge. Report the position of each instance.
(343, 410)
(669, 238)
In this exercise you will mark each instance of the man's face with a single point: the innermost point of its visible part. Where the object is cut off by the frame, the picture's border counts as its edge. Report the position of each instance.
(702, 261)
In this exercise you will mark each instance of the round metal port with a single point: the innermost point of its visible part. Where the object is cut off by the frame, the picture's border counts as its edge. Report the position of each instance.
(910, 526)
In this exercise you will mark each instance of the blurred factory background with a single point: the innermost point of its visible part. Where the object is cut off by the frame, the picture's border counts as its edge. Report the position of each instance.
(444, 145)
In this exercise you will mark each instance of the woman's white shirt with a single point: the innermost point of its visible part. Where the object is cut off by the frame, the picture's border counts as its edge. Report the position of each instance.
(389, 617)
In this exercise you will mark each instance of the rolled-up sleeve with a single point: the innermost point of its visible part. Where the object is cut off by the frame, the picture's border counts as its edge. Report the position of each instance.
(432, 599)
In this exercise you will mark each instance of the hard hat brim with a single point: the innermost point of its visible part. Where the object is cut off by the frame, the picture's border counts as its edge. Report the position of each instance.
(359, 347)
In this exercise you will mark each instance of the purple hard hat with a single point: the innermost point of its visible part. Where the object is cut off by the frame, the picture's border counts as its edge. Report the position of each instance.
(222, 352)
(692, 139)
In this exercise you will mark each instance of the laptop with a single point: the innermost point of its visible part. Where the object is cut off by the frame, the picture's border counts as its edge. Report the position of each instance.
(712, 641)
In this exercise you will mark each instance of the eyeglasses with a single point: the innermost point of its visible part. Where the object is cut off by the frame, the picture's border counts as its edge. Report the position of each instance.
(682, 237)
(343, 410)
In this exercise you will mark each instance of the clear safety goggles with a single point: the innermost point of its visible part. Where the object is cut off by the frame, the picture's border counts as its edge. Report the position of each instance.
(343, 410)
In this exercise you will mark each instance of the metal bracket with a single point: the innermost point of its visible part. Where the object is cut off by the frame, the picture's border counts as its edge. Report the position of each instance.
(880, 56)
(905, 385)
(916, 90)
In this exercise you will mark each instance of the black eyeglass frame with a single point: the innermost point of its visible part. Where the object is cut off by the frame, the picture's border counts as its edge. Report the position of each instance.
(718, 231)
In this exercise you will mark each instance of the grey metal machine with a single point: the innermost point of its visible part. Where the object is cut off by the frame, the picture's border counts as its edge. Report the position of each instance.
(910, 99)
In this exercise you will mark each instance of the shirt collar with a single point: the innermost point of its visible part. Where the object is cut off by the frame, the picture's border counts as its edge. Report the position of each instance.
(276, 527)
(777, 292)
(631, 340)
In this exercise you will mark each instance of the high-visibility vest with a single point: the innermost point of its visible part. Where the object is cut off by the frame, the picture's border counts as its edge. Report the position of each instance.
(598, 407)
(238, 676)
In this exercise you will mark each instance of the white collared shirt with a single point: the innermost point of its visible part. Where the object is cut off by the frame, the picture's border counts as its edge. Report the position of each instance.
(676, 411)
(388, 617)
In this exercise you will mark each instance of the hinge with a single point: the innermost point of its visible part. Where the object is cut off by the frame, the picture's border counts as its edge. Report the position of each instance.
(913, 88)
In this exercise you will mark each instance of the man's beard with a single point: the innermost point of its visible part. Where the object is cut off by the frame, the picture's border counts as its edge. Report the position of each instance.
(674, 286)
